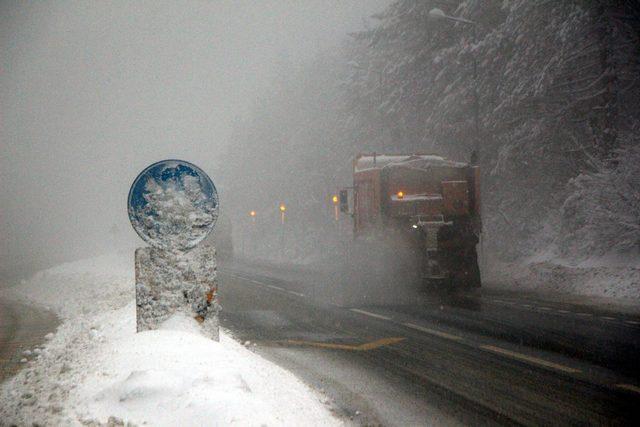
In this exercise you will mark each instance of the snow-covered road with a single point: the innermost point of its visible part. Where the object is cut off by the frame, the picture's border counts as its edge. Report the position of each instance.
(22, 327)
(493, 357)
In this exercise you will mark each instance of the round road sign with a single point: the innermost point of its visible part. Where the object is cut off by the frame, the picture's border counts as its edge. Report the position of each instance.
(173, 205)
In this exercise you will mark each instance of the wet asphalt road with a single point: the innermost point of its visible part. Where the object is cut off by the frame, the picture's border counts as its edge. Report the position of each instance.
(491, 358)
(22, 327)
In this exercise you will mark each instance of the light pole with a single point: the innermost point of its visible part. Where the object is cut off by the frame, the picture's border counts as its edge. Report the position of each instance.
(438, 14)
(283, 209)
(252, 214)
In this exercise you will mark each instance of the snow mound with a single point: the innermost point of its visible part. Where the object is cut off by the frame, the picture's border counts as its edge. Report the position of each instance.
(180, 322)
(609, 281)
(174, 376)
(82, 287)
(96, 368)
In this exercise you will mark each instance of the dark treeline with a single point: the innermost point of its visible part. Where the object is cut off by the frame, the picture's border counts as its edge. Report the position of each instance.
(557, 103)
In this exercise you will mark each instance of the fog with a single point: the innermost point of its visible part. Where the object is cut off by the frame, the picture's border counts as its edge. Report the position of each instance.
(274, 99)
(92, 92)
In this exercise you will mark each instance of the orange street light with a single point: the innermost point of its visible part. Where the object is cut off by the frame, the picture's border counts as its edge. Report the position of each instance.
(252, 213)
(334, 199)
(400, 195)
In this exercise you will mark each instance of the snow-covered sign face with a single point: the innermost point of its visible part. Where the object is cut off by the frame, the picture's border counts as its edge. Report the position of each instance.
(173, 205)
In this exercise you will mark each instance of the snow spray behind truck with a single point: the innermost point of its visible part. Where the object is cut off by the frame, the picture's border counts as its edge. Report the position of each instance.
(430, 203)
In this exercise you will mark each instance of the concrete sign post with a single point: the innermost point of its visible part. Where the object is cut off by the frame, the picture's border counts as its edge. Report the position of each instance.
(173, 206)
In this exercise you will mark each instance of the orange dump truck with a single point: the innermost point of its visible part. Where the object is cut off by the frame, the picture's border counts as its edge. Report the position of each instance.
(430, 202)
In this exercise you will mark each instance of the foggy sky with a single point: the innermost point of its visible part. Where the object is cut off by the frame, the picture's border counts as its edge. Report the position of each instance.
(92, 92)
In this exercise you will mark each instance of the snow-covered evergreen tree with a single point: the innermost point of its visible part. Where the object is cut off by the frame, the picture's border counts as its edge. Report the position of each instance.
(556, 83)
(602, 213)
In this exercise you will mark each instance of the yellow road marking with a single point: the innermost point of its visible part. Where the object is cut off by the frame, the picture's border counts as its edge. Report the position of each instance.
(362, 347)
(380, 343)
(433, 332)
(530, 359)
(368, 313)
(629, 387)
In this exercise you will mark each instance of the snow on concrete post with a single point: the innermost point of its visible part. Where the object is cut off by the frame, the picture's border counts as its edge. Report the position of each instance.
(173, 206)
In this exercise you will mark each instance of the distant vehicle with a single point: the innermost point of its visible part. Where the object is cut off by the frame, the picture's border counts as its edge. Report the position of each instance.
(429, 202)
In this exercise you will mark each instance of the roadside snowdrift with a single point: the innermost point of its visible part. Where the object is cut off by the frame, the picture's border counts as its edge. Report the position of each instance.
(604, 277)
(96, 368)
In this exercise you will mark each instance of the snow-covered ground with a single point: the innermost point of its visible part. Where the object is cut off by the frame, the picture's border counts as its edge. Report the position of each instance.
(95, 367)
(615, 277)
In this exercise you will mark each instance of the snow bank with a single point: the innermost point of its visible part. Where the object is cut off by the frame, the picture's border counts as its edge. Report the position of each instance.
(596, 277)
(95, 368)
